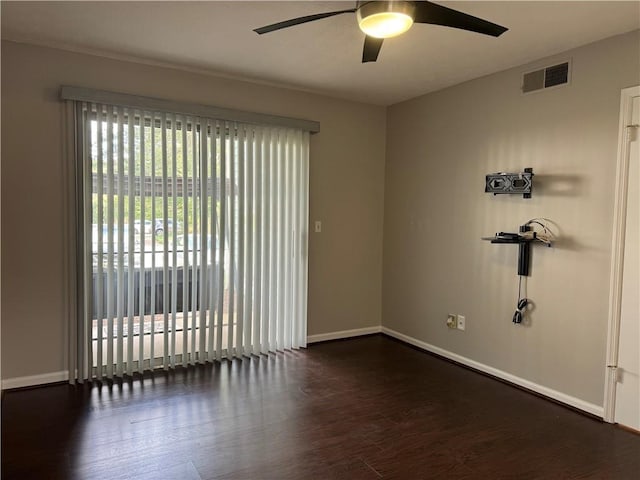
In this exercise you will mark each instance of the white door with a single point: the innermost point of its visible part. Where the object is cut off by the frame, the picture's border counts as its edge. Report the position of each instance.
(627, 405)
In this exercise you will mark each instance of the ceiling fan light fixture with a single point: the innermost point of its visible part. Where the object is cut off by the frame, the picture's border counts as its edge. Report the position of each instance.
(385, 19)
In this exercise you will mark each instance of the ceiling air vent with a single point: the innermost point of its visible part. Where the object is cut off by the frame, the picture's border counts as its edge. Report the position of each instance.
(548, 77)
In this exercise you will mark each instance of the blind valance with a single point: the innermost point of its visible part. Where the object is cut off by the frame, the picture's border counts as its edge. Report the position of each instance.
(82, 94)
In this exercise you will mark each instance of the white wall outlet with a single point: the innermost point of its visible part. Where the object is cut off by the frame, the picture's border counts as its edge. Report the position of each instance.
(461, 322)
(451, 321)
(317, 226)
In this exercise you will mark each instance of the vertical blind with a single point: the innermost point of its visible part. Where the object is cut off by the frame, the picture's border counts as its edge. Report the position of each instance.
(192, 238)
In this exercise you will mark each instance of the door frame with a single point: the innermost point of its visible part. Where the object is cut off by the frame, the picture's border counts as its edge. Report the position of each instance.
(617, 249)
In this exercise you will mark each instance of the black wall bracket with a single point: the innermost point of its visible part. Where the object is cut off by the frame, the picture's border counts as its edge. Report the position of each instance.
(518, 183)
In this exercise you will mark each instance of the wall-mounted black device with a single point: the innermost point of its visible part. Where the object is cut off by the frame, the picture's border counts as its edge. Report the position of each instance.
(523, 239)
(524, 248)
(518, 183)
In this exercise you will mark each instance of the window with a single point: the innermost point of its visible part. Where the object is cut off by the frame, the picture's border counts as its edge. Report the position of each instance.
(193, 236)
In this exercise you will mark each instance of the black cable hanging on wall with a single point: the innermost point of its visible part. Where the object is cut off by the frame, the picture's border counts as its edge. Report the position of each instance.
(526, 236)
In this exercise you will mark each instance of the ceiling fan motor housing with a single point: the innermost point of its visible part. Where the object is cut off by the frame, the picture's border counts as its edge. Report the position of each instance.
(371, 15)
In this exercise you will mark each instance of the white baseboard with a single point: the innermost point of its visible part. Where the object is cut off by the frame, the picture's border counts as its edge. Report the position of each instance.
(596, 410)
(322, 337)
(33, 380)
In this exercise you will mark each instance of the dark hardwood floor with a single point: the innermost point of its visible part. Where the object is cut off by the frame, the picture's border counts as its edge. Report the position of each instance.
(365, 408)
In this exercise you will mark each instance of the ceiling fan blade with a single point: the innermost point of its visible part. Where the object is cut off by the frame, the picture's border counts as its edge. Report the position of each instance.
(372, 46)
(299, 20)
(427, 12)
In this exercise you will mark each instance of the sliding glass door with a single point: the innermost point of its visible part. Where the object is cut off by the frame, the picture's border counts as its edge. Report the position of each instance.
(194, 238)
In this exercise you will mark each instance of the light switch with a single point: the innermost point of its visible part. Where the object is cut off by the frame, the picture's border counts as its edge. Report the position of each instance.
(317, 226)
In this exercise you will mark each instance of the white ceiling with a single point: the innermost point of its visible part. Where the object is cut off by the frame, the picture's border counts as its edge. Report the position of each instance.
(323, 56)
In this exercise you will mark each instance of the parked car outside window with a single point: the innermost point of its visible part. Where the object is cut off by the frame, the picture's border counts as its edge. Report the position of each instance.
(169, 223)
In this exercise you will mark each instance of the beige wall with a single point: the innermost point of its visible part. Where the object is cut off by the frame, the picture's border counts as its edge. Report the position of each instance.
(439, 148)
(346, 192)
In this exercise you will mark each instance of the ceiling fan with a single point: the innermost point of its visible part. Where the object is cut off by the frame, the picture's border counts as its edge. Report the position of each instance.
(380, 20)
